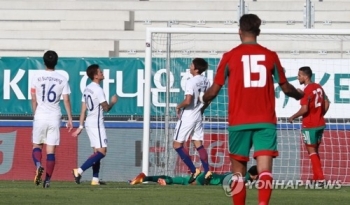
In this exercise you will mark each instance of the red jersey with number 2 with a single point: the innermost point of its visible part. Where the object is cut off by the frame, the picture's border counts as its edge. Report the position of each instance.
(250, 70)
(314, 98)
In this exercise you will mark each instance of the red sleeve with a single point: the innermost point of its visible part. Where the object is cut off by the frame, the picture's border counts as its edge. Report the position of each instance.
(279, 74)
(305, 99)
(221, 72)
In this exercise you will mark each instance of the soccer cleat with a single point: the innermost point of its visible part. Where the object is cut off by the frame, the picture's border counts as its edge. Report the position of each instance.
(320, 183)
(161, 182)
(208, 177)
(76, 176)
(97, 183)
(38, 174)
(194, 176)
(138, 179)
(46, 184)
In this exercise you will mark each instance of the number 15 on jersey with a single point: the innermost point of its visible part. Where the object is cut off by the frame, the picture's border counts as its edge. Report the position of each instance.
(250, 66)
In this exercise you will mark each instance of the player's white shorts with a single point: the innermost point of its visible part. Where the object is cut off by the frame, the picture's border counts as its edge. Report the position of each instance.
(185, 128)
(46, 132)
(97, 136)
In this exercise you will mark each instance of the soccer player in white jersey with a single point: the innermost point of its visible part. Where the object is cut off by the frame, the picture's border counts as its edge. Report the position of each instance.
(189, 113)
(94, 102)
(47, 87)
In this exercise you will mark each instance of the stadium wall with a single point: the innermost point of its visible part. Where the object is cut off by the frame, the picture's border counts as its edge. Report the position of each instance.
(124, 158)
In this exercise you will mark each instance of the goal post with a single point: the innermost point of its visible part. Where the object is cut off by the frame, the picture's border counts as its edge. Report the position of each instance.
(295, 47)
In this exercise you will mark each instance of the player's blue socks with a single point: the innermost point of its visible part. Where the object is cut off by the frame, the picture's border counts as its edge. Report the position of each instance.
(36, 154)
(96, 169)
(97, 156)
(203, 155)
(186, 159)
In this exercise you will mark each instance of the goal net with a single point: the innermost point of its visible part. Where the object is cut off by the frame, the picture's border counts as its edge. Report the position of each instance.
(169, 53)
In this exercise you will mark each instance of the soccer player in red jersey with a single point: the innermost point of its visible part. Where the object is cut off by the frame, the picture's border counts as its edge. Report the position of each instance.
(314, 105)
(251, 69)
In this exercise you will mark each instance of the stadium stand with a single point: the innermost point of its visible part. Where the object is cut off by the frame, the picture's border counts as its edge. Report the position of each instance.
(106, 28)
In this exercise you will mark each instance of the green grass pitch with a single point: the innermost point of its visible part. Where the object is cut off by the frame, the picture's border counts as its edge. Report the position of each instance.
(24, 192)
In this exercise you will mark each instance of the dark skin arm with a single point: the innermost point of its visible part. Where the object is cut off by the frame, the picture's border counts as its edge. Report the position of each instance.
(286, 87)
(290, 91)
(326, 105)
(211, 93)
(204, 107)
(302, 111)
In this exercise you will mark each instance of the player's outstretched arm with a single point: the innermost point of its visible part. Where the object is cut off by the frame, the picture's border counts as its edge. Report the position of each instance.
(67, 106)
(291, 91)
(81, 120)
(107, 107)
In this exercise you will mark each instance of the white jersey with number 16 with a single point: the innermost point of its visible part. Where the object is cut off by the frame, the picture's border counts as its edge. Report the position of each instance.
(93, 95)
(48, 87)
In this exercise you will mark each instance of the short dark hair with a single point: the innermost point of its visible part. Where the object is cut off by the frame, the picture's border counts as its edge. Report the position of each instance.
(250, 23)
(50, 59)
(200, 64)
(307, 70)
(253, 170)
(91, 71)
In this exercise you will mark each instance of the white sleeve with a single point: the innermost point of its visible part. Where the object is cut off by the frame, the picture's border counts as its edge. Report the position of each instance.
(208, 85)
(189, 88)
(66, 89)
(101, 96)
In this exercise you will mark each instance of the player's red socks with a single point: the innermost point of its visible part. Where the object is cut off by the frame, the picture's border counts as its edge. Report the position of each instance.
(316, 166)
(203, 155)
(265, 187)
(238, 190)
(50, 166)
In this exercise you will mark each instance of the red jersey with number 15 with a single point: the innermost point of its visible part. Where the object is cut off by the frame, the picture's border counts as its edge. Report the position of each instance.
(251, 70)
(314, 98)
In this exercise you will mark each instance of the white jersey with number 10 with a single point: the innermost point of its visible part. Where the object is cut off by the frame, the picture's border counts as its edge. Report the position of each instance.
(93, 95)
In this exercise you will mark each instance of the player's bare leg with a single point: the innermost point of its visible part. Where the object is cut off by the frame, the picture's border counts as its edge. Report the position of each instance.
(264, 165)
(178, 146)
(239, 169)
(203, 155)
(316, 164)
(37, 155)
